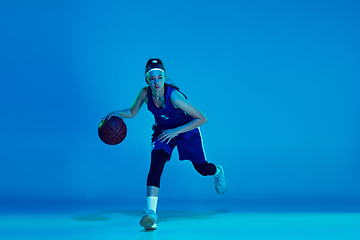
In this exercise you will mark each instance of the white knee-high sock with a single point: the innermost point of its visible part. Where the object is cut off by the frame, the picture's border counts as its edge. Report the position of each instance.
(152, 203)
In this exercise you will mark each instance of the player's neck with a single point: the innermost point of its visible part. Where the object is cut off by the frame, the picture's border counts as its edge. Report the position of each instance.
(158, 94)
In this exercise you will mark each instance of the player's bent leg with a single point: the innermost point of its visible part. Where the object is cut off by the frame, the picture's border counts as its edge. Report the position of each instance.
(207, 169)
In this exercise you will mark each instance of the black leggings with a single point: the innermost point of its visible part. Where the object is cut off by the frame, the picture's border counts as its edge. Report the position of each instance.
(158, 160)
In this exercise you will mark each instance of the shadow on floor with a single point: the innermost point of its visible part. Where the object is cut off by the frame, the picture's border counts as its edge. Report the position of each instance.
(163, 216)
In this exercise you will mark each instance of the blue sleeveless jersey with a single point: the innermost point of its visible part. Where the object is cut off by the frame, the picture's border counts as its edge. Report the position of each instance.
(169, 117)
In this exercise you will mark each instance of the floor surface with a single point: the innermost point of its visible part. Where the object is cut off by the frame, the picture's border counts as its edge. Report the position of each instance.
(184, 221)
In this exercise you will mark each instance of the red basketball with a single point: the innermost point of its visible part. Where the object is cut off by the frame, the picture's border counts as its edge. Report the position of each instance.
(112, 131)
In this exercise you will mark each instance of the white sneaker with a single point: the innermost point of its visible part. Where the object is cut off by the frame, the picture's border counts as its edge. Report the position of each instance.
(220, 181)
(149, 220)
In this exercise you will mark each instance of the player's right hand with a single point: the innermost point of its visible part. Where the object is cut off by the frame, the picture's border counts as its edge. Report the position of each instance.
(109, 115)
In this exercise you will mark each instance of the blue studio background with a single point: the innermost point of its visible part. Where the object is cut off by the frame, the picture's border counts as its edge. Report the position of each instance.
(277, 80)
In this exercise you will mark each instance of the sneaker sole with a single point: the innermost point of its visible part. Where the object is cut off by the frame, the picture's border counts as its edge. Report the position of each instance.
(147, 222)
(153, 227)
(220, 192)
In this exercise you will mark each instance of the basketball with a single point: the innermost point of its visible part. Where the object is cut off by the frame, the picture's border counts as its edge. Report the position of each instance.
(112, 131)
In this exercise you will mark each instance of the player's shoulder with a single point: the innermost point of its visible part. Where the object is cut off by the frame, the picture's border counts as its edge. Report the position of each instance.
(144, 91)
(177, 95)
(143, 94)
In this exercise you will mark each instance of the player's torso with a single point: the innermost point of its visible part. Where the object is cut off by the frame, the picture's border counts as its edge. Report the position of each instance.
(166, 115)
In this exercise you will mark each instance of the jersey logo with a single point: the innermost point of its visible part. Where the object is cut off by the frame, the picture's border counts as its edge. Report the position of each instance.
(165, 117)
(152, 145)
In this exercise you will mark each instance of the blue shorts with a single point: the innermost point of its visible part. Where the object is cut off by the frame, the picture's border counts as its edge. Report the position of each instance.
(189, 144)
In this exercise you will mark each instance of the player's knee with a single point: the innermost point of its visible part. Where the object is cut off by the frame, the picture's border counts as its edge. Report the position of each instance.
(158, 160)
(159, 155)
(205, 169)
(202, 170)
(203, 173)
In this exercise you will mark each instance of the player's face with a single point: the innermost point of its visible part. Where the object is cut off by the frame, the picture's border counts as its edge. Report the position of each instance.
(156, 80)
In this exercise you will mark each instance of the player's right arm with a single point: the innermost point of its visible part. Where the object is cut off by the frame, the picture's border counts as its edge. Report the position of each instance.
(134, 109)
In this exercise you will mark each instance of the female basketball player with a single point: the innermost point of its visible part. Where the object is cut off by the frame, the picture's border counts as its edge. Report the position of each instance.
(177, 123)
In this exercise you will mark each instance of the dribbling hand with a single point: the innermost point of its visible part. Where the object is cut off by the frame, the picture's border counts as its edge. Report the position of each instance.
(109, 115)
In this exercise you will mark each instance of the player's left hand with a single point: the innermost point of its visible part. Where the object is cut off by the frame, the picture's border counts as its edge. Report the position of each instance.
(167, 135)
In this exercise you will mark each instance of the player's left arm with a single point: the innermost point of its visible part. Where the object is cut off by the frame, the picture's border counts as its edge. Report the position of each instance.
(179, 101)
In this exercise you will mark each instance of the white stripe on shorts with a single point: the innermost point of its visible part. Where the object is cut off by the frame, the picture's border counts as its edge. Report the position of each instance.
(202, 144)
